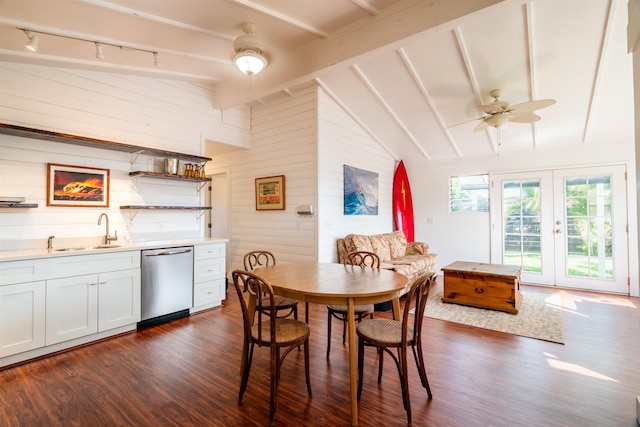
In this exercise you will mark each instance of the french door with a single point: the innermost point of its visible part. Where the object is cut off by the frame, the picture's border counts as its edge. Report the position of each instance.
(565, 227)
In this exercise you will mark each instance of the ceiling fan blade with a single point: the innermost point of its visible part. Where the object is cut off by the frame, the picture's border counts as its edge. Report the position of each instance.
(466, 121)
(481, 126)
(524, 117)
(532, 105)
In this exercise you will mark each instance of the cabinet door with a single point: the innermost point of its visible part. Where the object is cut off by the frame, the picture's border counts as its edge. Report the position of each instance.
(22, 317)
(119, 299)
(72, 308)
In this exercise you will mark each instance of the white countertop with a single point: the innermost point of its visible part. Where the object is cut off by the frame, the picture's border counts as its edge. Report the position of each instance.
(26, 254)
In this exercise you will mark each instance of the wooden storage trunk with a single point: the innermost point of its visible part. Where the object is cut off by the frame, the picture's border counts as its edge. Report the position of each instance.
(492, 286)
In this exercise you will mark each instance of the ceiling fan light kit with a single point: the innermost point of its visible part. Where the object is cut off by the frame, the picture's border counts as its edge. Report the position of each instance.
(498, 112)
(249, 57)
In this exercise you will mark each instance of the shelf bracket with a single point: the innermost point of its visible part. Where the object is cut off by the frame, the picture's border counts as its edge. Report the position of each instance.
(132, 214)
(199, 214)
(202, 186)
(136, 154)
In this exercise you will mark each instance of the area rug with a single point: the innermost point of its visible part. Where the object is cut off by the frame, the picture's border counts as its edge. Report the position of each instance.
(537, 318)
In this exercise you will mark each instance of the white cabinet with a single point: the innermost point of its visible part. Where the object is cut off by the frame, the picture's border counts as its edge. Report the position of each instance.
(22, 319)
(22, 306)
(82, 305)
(85, 304)
(209, 272)
(118, 299)
(72, 308)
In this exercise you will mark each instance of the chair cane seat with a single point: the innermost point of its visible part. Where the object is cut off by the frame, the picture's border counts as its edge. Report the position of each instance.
(288, 331)
(383, 332)
(342, 309)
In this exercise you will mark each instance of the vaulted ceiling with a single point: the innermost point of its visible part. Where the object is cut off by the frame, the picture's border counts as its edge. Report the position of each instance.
(411, 72)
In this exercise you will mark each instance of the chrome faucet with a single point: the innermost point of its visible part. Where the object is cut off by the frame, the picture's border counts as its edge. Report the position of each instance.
(107, 237)
(50, 242)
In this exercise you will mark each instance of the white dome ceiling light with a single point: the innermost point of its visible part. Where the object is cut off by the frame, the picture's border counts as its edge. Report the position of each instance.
(249, 50)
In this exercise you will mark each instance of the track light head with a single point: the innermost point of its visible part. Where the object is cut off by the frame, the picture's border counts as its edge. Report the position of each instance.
(32, 44)
(99, 52)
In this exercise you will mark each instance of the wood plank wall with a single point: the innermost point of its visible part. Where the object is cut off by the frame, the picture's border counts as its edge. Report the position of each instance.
(342, 141)
(283, 143)
(170, 115)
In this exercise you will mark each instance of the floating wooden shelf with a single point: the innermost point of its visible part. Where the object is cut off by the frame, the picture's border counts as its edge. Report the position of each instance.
(152, 207)
(95, 143)
(18, 205)
(168, 176)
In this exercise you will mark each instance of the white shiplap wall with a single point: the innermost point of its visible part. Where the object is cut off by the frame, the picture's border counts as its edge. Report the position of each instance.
(342, 141)
(284, 142)
(170, 115)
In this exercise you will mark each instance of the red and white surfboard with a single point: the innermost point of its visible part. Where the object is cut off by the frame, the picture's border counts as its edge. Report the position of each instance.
(402, 202)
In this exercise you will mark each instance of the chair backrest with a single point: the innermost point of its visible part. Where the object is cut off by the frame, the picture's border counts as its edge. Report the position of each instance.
(251, 286)
(416, 299)
(255, 259)
(363, 259)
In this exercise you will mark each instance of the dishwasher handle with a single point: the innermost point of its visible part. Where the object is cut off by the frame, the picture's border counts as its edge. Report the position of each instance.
(185, 251)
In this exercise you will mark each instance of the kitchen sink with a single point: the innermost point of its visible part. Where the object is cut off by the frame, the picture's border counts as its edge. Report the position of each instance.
(86, 248)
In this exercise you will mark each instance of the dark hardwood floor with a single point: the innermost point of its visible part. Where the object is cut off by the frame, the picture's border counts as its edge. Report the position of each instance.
(186, 373)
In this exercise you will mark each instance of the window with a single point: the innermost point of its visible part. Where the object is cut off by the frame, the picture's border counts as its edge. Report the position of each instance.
(469, 193)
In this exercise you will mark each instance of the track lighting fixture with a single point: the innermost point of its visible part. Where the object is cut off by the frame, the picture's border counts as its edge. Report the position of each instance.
(32, 44)
(249, 56)
(99, 52)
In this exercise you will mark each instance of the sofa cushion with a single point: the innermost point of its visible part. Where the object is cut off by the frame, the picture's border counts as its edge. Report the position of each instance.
(397, 244)
(380, 246)
(357, 243)
(417, 248)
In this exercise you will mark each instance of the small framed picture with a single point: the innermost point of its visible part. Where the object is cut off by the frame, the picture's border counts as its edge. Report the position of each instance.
(77, 186)
(270, 193)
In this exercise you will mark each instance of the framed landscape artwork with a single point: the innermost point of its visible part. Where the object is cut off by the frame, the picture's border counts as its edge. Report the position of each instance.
(270, 193)
(77, 186)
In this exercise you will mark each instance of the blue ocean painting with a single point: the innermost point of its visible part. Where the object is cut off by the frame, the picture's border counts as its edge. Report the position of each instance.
(360, 191)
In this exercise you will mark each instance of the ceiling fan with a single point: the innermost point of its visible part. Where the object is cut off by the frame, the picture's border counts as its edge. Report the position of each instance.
(499, 112)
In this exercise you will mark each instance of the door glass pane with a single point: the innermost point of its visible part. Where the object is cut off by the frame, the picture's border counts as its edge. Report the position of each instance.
(521, 224)
(589, 227)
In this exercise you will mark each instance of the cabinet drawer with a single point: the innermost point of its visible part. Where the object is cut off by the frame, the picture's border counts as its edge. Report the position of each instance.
(208, 292)
(215, 250)
(208, 269)
(94, 263)
(22, 271)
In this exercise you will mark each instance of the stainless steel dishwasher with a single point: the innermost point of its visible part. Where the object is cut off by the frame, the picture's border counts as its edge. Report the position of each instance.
(167, 285)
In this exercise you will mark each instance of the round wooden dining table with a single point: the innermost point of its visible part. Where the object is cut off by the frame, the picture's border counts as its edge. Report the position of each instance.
(338, 284)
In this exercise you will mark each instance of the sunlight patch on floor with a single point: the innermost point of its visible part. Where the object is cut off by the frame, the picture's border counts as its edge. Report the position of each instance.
(576, 369)
(569, 302)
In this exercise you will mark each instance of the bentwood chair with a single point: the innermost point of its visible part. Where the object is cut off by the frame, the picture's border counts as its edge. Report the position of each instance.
(362, 259)
(278, 334)
(255, 259)
(387, 334)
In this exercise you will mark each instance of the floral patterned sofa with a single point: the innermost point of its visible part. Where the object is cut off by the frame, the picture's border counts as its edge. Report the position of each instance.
(409, 258)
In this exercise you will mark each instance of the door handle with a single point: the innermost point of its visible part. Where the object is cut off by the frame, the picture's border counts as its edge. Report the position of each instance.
(170, 253)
